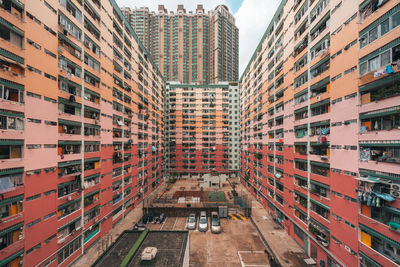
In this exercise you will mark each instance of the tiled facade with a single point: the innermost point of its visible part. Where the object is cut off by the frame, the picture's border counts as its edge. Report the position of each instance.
(321, 131)
(190, 47)
(202, 128)
(81, 110)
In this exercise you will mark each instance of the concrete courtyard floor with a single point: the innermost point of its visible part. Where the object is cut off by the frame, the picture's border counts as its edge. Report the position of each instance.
(239, 245)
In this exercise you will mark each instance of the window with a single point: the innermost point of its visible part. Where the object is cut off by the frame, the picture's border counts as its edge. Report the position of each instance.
(373, 34)
(380, 30)
(385, 27)
(385, 58)
(373, 63)
(9, 122)
(13, 208)
(69, 249)
(395, 20)
(376, 62)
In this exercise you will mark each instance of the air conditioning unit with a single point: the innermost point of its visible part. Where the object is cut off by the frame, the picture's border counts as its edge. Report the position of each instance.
(69, 198)
(324, 158)
(395, 187)
(61, 240)
(68, 148)
(395, 193)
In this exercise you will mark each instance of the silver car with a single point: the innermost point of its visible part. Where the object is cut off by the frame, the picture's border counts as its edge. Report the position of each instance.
(203, 224)
(191, 223)
(215, 223)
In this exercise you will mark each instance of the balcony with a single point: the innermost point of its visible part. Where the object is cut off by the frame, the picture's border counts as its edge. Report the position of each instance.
(380, 151)
(320, 232)
(383, 121)
(11, 179)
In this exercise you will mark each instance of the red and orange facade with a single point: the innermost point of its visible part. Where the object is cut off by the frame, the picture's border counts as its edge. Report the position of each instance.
(81, 118)
(320, 128)
(202, 128)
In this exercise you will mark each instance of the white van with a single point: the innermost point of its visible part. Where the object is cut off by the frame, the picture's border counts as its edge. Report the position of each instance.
(203, 223)
(215, 223)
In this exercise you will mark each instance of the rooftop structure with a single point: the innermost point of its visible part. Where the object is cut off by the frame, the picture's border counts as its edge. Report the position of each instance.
(172, 249)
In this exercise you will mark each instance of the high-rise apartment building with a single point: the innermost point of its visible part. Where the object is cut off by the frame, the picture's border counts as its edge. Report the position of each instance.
(321, 128)
(81, 110)
(190, 47)
(202, 126)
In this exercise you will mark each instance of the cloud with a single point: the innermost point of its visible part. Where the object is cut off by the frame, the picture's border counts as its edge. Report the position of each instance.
(252, 19)
(171, 5)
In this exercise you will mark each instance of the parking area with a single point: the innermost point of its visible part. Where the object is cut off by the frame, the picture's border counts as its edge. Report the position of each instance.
(238, 244)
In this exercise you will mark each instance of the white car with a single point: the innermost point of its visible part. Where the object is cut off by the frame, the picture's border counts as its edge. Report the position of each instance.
(191, 223)
(215, 223)
(203, 224)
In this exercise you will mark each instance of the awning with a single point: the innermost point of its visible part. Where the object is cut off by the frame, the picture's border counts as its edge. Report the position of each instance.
(11, 114)
(12, 58)
(94, 176)
(299, 210)
(72, 123)
(392, 210)
(11, 258)
(92, 160)
(319, 84)
(60, 143)
(394, 143)
(301, 194)
(68, 203)
(11, 200)
(320, 164)
(320, 103)
(376, 175)
(12, 84)
(92, 193)
(11, 171)
(320, 123)
(67, 102)
(300, 160)
(320, 184)
(369, 179)
(320, 204)
(11, 142)
(68, 163)
(368, 259)
(12, 228)
(11, 27)
(300, 177)
(379, 235)
(384, 112)
(69, 223)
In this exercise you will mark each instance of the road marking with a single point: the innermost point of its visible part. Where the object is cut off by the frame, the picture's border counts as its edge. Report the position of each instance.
(241, 261)
(251, 252)
(173, 227)
(233, 217)
(241, 217)
(164, 223)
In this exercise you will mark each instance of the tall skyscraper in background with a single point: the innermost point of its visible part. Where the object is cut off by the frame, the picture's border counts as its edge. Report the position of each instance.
(189, 47)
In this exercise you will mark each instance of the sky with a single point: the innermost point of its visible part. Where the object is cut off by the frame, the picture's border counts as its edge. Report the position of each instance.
(252, 18)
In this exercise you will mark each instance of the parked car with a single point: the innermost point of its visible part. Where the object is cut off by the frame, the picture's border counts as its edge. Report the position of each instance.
(215, 223)
(203, 224)
(191, 223)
